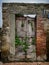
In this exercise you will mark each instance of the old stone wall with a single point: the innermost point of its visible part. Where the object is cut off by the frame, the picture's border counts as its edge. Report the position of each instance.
(15, 8)
(8, 34)
(5, 34)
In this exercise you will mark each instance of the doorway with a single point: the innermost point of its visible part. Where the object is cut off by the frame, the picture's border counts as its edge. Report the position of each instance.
(25, 37)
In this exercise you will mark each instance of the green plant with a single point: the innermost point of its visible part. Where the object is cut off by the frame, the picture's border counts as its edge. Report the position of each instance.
(22, 25)
(32, 26)
(17, 41)
(33, 41)
(24, 44)
(30, 22)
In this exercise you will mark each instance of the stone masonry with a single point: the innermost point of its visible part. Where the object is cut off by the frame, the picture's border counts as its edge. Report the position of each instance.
(10, 10)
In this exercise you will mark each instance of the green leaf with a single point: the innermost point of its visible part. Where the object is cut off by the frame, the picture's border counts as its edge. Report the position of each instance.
(33, 40)
(24, 44)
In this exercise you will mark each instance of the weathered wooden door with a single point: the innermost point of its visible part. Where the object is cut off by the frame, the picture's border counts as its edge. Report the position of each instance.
(25, 39)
